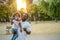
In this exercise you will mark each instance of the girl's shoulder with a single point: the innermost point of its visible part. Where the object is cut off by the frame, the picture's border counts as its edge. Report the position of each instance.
(14, 20)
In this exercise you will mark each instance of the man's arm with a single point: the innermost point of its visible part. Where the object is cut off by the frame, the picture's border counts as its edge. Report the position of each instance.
(28, 32)
(27, 28)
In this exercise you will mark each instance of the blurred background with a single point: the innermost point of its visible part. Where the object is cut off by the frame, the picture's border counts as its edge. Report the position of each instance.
(44, 17)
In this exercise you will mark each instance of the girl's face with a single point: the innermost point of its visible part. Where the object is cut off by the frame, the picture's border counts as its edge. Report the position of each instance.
(17, 16)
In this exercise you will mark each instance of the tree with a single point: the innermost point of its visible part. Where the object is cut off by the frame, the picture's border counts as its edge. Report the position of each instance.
(50, 7)
(33, 10)
(54, 8)
(13, 6)
(6, 10)
(28, 4)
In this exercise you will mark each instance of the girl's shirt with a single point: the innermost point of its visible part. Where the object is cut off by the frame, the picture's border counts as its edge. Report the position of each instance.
(16, 24)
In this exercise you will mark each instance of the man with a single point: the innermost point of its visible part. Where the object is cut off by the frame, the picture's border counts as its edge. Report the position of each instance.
(25, 26)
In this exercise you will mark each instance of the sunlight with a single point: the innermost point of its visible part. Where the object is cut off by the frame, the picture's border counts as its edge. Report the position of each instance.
(21, 4)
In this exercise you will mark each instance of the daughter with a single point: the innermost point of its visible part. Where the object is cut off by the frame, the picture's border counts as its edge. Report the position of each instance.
(16, 22)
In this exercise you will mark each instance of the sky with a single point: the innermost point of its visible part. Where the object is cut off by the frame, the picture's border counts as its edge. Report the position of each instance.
(35, 1)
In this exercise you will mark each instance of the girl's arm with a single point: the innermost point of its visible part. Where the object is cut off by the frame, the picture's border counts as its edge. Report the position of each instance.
(11, 21)
(27, 28)
(20, 27)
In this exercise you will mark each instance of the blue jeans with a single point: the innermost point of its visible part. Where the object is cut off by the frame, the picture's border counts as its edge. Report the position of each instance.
(14, 35)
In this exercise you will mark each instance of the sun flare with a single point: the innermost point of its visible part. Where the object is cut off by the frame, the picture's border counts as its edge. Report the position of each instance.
(21, 4)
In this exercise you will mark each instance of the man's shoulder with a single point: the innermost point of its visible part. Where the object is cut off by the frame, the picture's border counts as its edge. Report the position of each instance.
(27, 22)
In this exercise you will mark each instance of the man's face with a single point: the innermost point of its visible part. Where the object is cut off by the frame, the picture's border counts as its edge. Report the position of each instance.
(24, 17)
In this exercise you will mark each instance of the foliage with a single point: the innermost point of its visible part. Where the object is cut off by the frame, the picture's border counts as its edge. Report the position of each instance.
(51, 8)
(54, 8)
(6, 10)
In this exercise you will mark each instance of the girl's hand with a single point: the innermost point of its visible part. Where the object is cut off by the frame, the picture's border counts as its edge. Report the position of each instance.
(20, 27)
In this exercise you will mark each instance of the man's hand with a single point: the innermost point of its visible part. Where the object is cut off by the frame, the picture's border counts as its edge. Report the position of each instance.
(25, 29)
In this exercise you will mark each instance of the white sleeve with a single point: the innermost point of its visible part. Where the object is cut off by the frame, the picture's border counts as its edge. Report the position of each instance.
(14, 21)
(28, 26)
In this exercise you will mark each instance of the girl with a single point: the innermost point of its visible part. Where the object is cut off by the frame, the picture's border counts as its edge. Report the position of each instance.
(16, 22)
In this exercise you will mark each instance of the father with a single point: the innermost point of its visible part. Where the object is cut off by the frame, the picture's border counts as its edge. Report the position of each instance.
(26, 28)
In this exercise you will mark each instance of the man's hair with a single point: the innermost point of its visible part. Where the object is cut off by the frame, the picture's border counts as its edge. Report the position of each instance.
(26, 15)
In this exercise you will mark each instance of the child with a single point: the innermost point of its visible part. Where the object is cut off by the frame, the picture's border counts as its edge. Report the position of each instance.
(16, 22)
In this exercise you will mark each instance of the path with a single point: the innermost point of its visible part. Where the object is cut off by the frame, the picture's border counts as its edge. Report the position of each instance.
(34, 37)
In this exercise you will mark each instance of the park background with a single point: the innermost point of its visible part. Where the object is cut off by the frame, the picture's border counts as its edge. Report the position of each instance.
(44, 16)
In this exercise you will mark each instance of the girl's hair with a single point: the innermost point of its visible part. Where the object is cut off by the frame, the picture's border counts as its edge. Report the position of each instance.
(15, 14)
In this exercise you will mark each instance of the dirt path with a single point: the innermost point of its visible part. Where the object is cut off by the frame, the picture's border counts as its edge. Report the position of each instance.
(34, 37)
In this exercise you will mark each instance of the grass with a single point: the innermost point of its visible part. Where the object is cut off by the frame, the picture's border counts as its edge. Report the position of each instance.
(47, 27)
